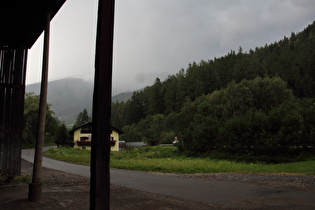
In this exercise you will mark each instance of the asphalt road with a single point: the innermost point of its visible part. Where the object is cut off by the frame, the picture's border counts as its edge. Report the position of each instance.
(223, 193)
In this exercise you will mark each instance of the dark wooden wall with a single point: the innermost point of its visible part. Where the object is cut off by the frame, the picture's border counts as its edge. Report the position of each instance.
(12, 89)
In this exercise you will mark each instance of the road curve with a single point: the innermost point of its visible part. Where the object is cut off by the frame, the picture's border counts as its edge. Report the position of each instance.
(215, 192)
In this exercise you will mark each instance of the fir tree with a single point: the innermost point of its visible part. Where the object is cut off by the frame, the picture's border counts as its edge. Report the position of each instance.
(82, 118)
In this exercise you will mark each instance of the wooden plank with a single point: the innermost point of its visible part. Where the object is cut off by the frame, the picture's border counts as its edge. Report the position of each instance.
(12, 88)
(1, 110)
(20, 92)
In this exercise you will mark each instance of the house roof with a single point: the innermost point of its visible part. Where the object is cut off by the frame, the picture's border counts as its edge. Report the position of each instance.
(23, 21)
(90, 124)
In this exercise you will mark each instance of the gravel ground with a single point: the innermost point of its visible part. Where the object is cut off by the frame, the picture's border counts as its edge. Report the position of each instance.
(65, 191)
(299, 182)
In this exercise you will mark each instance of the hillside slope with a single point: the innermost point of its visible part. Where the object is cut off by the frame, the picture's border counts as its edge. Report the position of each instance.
(70, 96)
(67, 96)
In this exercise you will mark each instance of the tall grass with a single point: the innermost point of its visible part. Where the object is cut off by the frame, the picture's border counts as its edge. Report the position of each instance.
(70, 155)
(168, 160)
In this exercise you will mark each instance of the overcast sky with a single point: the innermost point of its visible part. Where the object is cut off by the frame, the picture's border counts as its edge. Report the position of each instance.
(156, 38)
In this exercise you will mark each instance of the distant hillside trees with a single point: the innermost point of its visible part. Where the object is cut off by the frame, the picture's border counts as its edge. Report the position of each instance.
(263, 98)
(31, 106)
(62, 137)
(55, 131)
(259, 116)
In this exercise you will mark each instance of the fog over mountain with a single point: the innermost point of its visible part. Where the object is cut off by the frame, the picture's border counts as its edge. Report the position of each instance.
(153, 37)
(68, 97)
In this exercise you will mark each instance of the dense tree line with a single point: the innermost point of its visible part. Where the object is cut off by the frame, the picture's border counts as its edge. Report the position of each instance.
(55, 131)
(259, 116)
(264, 97)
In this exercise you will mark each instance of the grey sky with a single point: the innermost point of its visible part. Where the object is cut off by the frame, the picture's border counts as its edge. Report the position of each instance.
(155, 38)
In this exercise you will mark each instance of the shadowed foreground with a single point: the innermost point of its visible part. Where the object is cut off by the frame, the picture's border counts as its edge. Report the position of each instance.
(66, 191)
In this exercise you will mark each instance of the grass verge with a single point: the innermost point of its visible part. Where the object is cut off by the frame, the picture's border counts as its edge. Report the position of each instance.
(168, 160)
(17, 179)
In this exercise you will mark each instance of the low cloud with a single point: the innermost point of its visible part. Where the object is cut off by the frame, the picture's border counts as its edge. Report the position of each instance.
(160, 36)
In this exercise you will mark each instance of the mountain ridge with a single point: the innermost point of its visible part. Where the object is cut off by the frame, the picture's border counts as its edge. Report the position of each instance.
(69, 96)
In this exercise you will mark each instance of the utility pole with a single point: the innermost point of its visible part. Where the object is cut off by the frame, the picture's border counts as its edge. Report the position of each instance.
(35, 188)
(100, 151)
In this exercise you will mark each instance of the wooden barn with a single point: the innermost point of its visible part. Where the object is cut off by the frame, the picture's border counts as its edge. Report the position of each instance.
(21, 23)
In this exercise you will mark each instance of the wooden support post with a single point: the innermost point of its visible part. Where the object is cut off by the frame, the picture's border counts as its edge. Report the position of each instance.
(35, 188)
(100, 151)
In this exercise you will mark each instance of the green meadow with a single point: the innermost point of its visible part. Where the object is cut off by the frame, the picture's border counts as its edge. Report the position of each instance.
(168, 160)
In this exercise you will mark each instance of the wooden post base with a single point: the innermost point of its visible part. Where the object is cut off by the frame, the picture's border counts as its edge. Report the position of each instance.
(35, 192)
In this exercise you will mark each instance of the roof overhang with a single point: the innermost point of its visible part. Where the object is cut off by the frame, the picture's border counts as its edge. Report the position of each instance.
(90, 124)
(23, 21)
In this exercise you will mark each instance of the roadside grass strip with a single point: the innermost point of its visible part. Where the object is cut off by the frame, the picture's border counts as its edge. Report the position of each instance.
(168, 160)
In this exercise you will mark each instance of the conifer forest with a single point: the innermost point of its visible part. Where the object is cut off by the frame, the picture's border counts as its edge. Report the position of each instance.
(260, 102)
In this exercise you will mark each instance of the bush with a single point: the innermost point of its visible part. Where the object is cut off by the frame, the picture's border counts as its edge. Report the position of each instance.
(259, 118)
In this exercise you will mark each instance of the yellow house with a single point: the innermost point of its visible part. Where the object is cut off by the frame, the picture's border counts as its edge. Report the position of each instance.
(82, 137)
